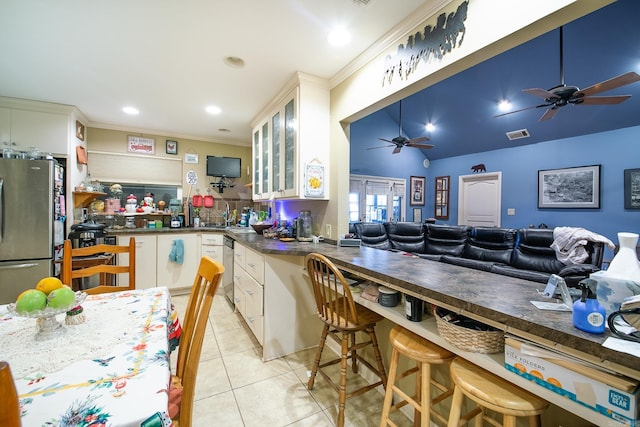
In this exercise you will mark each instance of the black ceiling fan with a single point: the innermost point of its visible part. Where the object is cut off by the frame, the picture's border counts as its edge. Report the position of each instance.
(561, 95)
(401, 141)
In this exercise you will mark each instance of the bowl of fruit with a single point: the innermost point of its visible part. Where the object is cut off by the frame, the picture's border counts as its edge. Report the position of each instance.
(260, 227)
(49, 298)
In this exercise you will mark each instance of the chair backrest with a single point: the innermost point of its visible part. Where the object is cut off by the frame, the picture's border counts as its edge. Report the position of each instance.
(68, 273)
(10, 408)
(194, 324)
(334, 301)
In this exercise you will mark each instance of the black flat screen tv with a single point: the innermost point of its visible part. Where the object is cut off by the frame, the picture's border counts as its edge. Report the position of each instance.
(228, 167)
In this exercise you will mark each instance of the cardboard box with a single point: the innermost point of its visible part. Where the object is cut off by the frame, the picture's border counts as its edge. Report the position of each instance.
(611, 395)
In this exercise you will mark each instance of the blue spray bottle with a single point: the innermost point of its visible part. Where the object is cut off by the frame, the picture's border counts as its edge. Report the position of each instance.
(588, 314)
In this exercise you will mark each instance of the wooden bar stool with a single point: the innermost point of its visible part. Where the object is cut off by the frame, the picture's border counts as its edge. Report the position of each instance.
(425, 354)
(490, 392)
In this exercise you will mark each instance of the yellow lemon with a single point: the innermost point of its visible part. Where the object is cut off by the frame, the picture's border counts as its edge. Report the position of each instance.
(49, 284)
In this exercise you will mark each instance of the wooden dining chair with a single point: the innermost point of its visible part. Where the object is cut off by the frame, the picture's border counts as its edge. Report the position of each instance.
(194, 323)
(92, 260)
(10, 408)
(343, 319)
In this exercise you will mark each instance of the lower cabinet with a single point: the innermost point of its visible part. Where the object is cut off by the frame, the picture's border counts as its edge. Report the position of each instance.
(170, 273)
(145, 259)
(248, 295)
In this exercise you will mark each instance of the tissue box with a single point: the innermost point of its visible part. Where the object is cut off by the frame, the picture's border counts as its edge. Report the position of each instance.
(611, 395)
(611, 291)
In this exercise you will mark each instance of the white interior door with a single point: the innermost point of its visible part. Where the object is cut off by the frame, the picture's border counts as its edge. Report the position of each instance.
(479, 199)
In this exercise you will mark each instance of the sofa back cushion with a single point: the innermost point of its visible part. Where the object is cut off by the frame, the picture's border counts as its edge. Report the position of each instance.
(372, 234)
(406, 236)
(446, 239)
(490, 244)
(534, 252)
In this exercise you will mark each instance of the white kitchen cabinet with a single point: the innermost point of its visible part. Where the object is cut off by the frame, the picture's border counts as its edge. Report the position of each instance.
(172, 274)
(211, 245)
(146, 255)
(45, 130)
(248, 281)
(290, 133)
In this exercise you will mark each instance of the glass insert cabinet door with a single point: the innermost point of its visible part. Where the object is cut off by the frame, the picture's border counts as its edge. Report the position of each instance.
(256, 162)
(265, 158)
(289, 144)
(275, 152)
(442, 197)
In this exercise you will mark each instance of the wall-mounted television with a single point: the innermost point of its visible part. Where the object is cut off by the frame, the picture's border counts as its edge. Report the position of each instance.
(228, 167)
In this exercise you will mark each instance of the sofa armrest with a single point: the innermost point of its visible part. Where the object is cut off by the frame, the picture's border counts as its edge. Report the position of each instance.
(572, 274)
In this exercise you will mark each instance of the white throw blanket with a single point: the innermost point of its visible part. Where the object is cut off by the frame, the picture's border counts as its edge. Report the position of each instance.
(569, 243)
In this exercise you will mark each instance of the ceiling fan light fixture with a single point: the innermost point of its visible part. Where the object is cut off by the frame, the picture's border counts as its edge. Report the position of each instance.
(504, 105)
(430, 127)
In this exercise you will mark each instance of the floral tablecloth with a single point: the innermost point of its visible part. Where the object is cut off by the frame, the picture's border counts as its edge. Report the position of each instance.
(111, 370)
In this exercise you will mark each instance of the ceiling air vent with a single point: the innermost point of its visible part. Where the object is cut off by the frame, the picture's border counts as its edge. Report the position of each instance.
(517, 134)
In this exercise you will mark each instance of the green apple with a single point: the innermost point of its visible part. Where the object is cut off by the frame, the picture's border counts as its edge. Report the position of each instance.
(62, 297)
(31, 300)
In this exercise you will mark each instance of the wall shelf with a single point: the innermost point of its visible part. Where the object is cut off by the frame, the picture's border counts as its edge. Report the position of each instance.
(82, 199)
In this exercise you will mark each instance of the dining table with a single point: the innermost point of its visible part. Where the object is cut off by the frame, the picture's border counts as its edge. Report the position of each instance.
(106, 363)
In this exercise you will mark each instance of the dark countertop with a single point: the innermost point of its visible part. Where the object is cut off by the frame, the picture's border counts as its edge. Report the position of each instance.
(502, 300)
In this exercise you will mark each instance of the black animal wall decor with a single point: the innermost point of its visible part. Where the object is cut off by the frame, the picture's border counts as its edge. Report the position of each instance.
(478, 168)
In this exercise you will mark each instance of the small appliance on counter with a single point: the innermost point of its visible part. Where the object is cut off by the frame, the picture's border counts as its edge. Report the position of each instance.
(175, 206)
(87, 233)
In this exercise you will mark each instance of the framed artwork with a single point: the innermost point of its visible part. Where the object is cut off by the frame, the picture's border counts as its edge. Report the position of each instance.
(577, 187)
(172, 147)
(79, 130)
(441, 204)
(416, 191)
(191, 158)
(141, 144)
(417, 215)
(632, 188)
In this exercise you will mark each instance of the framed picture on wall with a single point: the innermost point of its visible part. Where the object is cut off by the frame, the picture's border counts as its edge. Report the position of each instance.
(416, 191)
(632, 188)
(417, 215)
(577, 187)
(172, 147)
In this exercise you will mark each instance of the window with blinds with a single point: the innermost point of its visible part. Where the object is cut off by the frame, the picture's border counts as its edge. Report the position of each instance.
(376, 199)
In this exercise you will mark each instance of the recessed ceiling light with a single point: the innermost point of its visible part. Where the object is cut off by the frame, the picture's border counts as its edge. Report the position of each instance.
(212, 109)
(131, 110)
(430, 127)
(504, 105)
(339, 37)
(234, 61)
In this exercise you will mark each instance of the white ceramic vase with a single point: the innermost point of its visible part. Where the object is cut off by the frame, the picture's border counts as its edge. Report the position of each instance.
(625, 264)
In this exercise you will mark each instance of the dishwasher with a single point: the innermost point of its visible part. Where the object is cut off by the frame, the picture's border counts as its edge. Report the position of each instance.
(227, 262)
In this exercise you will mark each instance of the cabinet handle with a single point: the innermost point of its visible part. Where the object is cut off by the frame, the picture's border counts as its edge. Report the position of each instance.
(251, 265)
(249, 292)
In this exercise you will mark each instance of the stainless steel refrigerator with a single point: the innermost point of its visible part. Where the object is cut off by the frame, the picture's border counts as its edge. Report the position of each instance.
(31, 223)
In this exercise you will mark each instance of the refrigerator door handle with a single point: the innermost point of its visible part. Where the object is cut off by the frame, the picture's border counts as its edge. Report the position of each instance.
(14, 266)
(1, 210)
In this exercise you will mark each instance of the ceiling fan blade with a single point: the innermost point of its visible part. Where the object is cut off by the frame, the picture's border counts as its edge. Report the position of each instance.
(417, 140)
(603, 100)
(381, 146)
(613, 83)
(386, 140)
(421, 146)
(536, 91)
(397, 149)
(522, 109)
(549, 114)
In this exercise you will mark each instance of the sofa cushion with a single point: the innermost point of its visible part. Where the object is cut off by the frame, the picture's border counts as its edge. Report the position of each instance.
(485, 246)
(406, 236)
(372, 234)
(445, 239)
(534, 252)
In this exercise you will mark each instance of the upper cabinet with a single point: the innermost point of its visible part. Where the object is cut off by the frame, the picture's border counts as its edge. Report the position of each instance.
(291, 142)
(47, 131)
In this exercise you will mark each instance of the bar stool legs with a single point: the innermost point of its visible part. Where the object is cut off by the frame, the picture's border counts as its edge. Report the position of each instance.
(425, 354)
(490, 392)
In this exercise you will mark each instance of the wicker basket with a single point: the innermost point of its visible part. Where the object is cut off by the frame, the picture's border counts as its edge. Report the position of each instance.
(469, 339)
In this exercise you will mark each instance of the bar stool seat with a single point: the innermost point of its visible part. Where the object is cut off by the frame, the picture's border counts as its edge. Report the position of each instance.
(425, 354)
(490, 392)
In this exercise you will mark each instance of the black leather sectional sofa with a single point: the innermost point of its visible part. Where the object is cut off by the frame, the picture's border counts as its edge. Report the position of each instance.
(524, 253)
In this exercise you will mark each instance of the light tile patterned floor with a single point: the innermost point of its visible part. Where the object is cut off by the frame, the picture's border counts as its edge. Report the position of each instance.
(236, 388)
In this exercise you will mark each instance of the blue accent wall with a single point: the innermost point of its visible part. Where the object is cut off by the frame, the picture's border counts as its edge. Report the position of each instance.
(614, 151)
